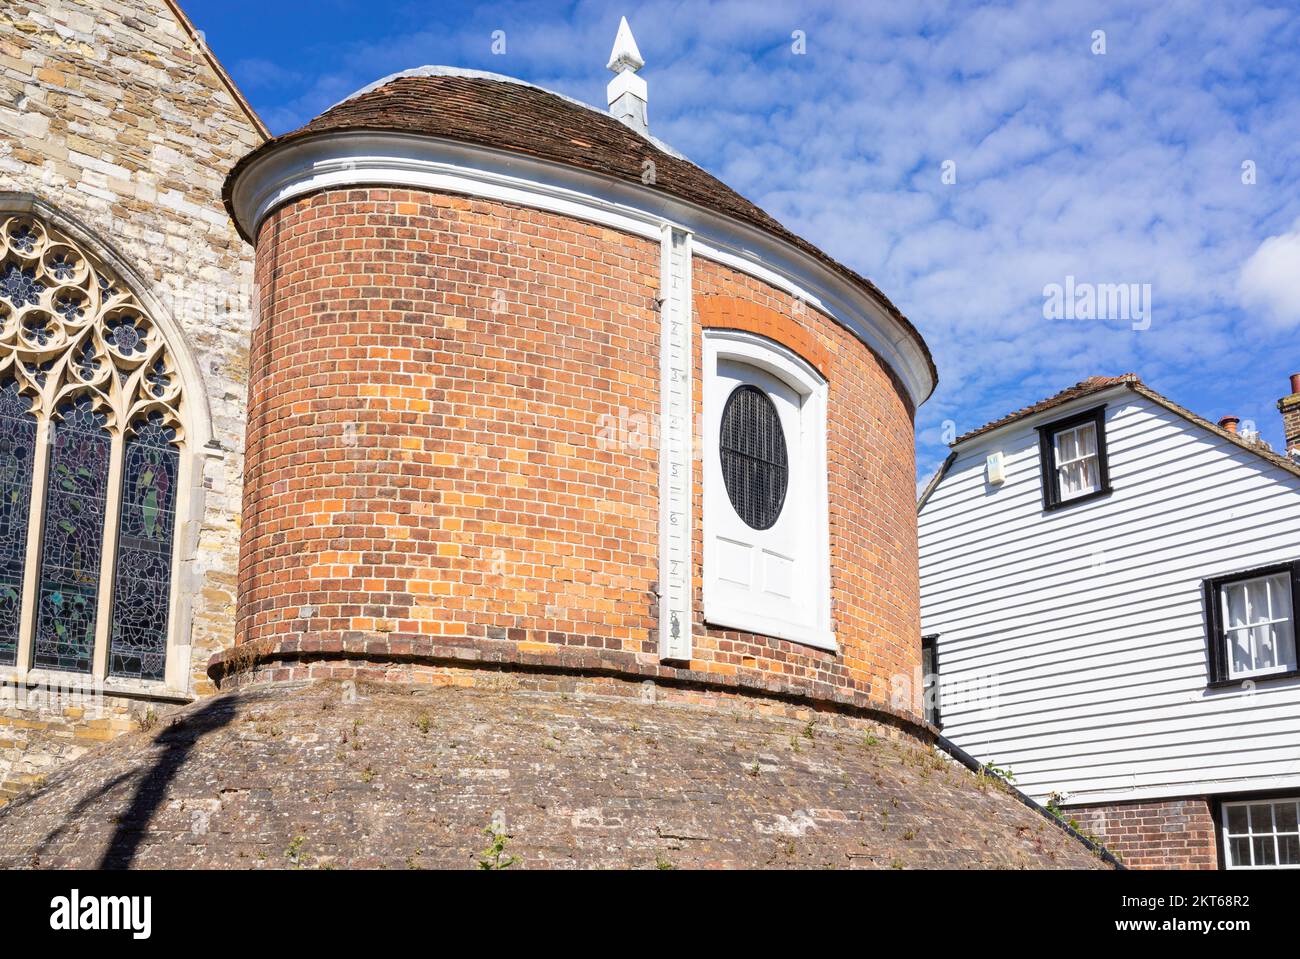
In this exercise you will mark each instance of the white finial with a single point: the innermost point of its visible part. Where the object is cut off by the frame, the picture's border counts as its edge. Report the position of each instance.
(625, 55)
(627, 93)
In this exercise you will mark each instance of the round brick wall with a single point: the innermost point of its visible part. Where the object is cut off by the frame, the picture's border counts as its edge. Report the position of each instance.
(431, 472)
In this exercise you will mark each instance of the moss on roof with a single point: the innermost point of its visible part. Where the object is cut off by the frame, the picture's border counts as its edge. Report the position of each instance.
(332, 775)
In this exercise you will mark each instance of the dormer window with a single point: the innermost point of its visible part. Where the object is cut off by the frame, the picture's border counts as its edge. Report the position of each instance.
(1073, 454)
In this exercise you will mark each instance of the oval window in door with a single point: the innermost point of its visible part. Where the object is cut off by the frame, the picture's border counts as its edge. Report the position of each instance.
(754, 464)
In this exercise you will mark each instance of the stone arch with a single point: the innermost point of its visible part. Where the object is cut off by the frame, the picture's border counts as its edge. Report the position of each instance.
(79, 322)
(199, 418)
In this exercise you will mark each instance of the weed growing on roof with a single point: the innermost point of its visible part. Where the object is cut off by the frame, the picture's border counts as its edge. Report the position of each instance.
(995, 776)
(495, 856)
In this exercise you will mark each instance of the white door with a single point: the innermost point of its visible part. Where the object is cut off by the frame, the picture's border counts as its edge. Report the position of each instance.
(755, 498)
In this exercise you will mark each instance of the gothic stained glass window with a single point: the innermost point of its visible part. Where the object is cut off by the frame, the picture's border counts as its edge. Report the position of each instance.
(75, 500)
(17, 440)
(144, 551)
(85, 366)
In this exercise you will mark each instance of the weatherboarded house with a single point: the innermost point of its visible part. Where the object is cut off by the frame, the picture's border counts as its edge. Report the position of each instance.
(1111, 583)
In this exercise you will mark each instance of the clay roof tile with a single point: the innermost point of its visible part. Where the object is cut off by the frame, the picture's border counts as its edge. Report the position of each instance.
(500, 112)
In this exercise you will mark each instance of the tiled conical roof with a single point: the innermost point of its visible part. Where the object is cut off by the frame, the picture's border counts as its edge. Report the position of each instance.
(506, 114)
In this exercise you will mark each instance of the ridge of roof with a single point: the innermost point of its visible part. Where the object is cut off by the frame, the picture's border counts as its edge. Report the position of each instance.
(502, 113)
(1097, 384)
(1263, 452)
(1092, 384)
(224, 77)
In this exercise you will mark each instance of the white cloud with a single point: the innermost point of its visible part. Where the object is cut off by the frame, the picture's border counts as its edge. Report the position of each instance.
(1123, 168)
(1270, 279)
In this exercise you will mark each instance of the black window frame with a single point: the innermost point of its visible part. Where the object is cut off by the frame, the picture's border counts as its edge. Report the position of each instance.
(1216, 642)
(1047, 458)
(931, 705)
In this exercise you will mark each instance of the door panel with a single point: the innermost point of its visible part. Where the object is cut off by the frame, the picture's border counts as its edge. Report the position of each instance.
(758, 568)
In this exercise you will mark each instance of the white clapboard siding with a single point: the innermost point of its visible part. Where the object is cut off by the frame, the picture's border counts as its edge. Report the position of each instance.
(1072, 644)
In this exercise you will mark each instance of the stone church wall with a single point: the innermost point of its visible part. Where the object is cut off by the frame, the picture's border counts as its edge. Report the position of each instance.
(112, 113)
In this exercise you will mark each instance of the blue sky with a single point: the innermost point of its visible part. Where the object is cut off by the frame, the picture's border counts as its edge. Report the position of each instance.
(1117, 167)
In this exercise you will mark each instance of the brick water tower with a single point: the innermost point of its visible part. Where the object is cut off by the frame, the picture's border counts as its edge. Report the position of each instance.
(580, 507)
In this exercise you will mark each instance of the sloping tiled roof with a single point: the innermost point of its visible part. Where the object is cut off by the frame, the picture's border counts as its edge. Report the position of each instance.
(1097, 384)
(499, 112)
(1092, 384)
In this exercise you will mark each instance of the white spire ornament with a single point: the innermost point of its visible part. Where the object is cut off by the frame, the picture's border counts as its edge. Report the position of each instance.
(627, 92)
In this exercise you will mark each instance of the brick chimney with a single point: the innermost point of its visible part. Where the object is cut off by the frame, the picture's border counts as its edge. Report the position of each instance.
(1289, 406)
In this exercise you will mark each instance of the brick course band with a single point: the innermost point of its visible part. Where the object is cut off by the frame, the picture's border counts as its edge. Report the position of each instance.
(297, 660)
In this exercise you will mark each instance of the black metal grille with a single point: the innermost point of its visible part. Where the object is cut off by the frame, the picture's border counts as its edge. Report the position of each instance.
(754, 466)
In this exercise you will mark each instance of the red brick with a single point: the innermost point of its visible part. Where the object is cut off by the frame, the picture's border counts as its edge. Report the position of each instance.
(1160, 834)
(424, 463)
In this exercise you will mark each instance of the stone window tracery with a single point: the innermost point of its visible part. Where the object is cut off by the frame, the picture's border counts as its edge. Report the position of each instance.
(91, 447)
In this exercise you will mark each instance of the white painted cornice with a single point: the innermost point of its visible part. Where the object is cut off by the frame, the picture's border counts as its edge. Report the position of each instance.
(356, 158)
